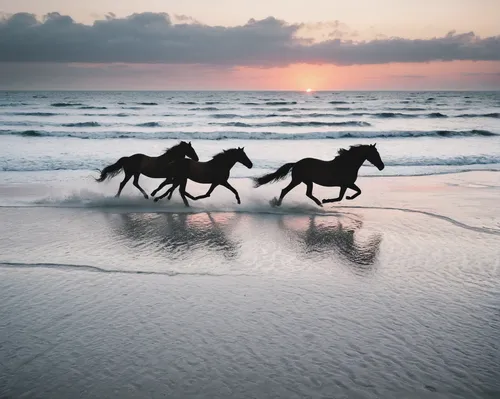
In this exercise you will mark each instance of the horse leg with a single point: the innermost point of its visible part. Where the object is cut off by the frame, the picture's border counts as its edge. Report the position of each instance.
(233, 190)
(163, 184)
(136, 183)
(212, 188)
(172, 189)
(355, 188)
(189, 195)
(182, 190)
(122, 184)
(339, 198)
(169, 192)
(309, 193)
(287, 189)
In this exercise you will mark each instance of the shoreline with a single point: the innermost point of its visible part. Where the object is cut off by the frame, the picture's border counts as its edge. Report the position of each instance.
(453, 196)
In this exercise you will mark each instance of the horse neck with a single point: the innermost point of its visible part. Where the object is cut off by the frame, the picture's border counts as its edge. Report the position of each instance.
(173, 155)
(228, 162)
(355, 161)
(359, 160)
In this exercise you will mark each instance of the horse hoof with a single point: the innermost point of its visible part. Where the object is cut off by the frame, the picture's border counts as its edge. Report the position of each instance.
(274, 202)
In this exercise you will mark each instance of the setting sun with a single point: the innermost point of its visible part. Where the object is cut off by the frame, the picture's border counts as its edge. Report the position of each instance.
(308, 90)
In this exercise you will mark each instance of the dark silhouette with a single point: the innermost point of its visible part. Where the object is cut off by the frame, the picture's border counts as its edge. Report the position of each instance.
(214, 172)
(154, 167)
(341, 171)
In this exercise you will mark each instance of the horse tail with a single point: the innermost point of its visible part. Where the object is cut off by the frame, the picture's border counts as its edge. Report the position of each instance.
(275, 176)
(111, 171)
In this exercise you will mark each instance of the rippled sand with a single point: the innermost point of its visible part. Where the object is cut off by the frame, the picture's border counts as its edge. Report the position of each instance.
(396, 296)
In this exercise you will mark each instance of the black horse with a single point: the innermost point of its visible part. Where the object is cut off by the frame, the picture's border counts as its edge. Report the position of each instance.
(215, 172)
(342, 171)
(153, 167)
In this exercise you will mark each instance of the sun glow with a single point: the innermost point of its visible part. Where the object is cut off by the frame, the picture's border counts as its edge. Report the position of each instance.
(308, 90)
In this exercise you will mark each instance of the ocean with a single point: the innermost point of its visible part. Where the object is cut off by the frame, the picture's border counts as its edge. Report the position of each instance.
(394, 294)
(418, 133)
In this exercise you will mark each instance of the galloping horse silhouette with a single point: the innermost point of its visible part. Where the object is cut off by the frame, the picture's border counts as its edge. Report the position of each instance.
(341, 171)
(154, 167)
(215, 172)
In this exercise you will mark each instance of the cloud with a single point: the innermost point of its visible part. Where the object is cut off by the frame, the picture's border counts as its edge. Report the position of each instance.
(482, 74)
(75, 76)
(407, 76)
(186, 19)
(325, 30)
(155, 38)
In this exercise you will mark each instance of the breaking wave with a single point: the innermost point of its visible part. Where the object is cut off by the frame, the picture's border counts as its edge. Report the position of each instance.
(248, 135)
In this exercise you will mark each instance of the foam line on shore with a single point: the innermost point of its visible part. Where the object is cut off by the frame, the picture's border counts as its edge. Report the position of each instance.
(95, 269)
(140, 206)
(485, 230)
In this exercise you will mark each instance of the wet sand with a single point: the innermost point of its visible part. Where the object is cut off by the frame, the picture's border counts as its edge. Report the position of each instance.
(394, 295)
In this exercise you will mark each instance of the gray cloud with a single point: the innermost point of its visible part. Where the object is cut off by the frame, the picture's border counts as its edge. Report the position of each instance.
(154, 38)
(62, 76)
(186, 19)
(407, 76)
(482, 74)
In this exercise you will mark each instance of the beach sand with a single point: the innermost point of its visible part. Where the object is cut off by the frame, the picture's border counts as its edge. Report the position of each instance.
(393, 295)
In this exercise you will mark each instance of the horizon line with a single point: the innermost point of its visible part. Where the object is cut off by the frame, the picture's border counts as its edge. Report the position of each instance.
(250, 91)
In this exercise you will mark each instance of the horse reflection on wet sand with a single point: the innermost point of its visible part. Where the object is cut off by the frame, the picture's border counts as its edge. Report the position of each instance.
(178, 234)
(325, 235)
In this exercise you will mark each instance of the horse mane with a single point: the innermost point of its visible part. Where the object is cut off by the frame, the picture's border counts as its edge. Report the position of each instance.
(172, 149)
(343, 153)
(223, 154)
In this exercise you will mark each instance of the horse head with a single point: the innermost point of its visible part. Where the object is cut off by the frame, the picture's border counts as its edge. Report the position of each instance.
(373, 157)
(189, 151)
(243, 158)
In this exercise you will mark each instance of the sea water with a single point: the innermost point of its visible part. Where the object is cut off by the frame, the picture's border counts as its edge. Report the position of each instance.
(416, 132)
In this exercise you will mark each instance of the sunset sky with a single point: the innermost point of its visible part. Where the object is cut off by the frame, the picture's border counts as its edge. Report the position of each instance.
(250, 45)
